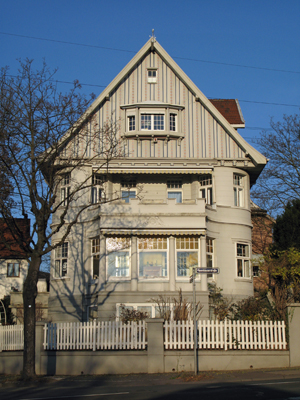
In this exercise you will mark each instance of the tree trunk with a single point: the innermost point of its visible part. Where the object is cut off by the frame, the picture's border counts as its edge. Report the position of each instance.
(29, 296)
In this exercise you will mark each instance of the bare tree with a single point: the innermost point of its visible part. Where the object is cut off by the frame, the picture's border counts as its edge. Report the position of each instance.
(280, 180)
(39, 130)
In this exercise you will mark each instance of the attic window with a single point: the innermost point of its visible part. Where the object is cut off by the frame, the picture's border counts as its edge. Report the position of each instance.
(152, 75)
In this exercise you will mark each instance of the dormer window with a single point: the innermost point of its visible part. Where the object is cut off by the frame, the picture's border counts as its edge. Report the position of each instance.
(152, 75)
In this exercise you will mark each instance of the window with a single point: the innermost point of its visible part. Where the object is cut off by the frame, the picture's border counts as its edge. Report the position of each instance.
(61, 260)
(255, 270)
(153, 257)
(153, 310)
(117, 257)
(206, 188)
(97, 188)
(13, 270)
(152, 122)
(152, 75)
(243, 260)
(173, 118)
(129, 193)
(187, 255)
(209, 255)
(65, 188)
(238, 190)
(95, 258)
(131, 123)
(175, 194)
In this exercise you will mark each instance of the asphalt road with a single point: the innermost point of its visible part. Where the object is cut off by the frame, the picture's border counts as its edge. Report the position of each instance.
(243, 385)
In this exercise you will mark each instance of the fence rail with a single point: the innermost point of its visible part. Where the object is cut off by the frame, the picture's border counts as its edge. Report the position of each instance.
(11, 337)
(105, 335)
(237, 335)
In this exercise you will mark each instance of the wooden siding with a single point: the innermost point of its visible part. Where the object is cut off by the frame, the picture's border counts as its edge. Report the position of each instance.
(204, 137)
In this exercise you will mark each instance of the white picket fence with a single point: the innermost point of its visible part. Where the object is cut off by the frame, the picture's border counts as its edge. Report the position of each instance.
(114, 335)
(105, 335)
(237, 335)
(11, 337)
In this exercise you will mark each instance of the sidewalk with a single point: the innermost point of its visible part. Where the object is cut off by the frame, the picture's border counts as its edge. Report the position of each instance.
(162, 379)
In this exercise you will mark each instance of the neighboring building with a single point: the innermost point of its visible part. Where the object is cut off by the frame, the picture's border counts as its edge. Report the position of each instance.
(180, 198)
(13, 263)
(262, 238)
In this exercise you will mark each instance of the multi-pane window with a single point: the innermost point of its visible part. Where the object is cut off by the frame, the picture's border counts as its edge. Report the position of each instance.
(97, 188)
(13, 270)
(173, 122)
(175, 194)
(128, 192)
(65, 188)
(131, 123)
(206, 188)
(187, 255)
(118, 257)
(95, 257)
(238, 190)
(243, 260)
(153, 122)
(153, 255)
(152, 75)
(61, 260)
(209, 255)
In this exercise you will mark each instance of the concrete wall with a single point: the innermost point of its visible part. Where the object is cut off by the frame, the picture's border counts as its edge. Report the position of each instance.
(155, 359)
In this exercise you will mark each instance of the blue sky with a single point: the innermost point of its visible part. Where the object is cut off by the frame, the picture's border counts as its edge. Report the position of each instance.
(208, 39)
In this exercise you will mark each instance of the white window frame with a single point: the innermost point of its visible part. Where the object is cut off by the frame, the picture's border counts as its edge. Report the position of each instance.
(243, 260)
(97, 193)
(127, 187)
(174, 186)
(65, 184)
(173, 123)
(61, 260)
(187, 248)
(210, 247)
(131, 127)
(135, 306)
(206, 188)
(238, 190)
(125, 247)
(152, 75)
(152, 122)
(95, 251)
(153, 250)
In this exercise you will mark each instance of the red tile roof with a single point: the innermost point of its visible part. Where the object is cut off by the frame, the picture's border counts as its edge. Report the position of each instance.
(14, 250)
(230, 109)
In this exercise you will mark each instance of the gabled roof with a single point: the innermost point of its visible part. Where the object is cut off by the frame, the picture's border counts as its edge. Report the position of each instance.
(9, 248)
(230, 109)
(152, 45)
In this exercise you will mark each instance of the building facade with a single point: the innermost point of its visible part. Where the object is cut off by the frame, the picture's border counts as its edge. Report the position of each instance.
(178, 198)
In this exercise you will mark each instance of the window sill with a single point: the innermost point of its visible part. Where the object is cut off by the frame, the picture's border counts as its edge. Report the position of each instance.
(118, 278)
(62, 278)
(151, 279)
(159, 135)
(242, 279)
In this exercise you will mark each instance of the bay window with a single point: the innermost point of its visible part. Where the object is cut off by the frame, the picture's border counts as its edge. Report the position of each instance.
(153, 257)
(118, 257)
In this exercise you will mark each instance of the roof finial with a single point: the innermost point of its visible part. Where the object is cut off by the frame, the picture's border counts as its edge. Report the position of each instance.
(152, 37)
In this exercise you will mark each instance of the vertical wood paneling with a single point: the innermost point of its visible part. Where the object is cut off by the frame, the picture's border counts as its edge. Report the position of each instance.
(203, 136)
